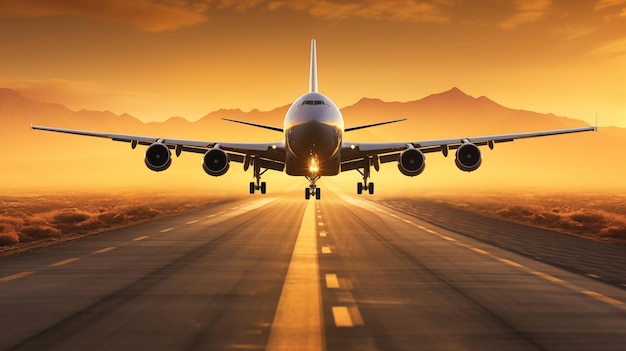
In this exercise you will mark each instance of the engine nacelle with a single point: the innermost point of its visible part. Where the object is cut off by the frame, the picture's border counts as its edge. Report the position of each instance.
(215, 162)
(411, 162)
(158, 157)
(468, 157)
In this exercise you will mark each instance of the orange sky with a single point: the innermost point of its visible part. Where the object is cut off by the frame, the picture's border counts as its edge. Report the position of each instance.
(159, 58)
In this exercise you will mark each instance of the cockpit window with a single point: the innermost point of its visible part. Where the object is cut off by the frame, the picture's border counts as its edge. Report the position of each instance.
(313, 102)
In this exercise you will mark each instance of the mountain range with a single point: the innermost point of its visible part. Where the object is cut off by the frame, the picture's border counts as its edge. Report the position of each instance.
(586, 161)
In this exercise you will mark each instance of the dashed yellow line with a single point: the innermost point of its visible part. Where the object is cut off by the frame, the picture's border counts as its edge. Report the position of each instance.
(15, 276)
(448, 238)
(323, 234)
(341, 315)
(106, 249)
(326, 250)
(141, 238)
(510, 263)
(602, 298)
(166, 230)
(548, 277)
(321, 224)
(331, 281)
(430, 231)
(64, 262)
(480, 251)
(347, 316)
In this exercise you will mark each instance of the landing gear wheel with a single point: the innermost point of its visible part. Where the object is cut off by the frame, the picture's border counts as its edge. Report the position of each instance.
(252, 187)
(263, 187)
(318, 193)
(359, 188)
(370, 188)
(307, 193)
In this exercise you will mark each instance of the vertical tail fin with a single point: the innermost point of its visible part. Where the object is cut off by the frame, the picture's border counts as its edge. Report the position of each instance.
(313, 76)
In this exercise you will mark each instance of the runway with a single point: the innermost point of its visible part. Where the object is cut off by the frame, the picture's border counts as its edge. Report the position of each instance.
(281, 273)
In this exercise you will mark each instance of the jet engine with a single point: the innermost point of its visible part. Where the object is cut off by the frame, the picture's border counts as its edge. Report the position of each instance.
(411, 162)
(468, 157)
(158, 157)
(215, 162)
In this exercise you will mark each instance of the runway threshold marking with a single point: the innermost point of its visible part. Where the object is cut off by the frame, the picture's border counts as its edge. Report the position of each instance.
(106, 249)
(64, 262)
(141, 238)
(298, 319)
(166, 230)
(8, 278)
(602, 298)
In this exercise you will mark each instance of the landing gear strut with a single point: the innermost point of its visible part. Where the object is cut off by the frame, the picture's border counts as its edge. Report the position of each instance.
(369, 186)
(258, 185)
(313, 190)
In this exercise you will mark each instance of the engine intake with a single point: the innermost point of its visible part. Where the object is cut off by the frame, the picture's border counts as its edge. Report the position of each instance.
(411, 162)
(158, 157)
(215, 162)
(468, 157)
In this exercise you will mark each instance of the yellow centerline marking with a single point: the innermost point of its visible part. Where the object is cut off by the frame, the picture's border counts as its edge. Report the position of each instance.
(326, 250)
(15, 276)
(321, 224)
(480, 251)
(323, 234)
(64, 262)
(331, 281)
(602, 298)
(106, 249)
(141, 238)
(298, 320)
(166, 230)
(192, 222)
(510, 263)
(548, 277)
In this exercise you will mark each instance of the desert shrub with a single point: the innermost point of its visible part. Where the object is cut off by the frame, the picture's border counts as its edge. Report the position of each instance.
(615, 232)
(35, 232)
(71, 216)
(587, 218)
(8, 235)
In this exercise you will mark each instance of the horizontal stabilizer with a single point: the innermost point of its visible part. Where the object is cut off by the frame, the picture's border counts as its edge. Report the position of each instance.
(373, 125)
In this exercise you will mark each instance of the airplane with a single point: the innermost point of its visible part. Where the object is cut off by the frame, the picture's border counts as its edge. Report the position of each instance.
(313, 146)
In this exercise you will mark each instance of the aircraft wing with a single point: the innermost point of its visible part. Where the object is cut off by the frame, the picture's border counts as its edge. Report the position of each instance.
(353, 152)
(272, 152)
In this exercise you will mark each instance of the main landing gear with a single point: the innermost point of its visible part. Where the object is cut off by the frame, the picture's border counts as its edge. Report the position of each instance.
(312, 190)
(258, 185)
(367, 186)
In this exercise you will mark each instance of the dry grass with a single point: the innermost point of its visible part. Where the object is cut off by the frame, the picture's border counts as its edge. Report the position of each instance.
(598, 216)
(35, 218)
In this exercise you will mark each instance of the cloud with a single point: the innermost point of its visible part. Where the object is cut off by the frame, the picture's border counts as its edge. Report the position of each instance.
(148, 15)
(527, 12)
(603, 4)
(615, 47)
(395, 10)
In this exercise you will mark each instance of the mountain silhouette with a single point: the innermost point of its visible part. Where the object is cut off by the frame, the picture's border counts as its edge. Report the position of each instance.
(588, 159)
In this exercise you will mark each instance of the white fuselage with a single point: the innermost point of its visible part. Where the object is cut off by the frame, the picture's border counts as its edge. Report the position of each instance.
(313, 135)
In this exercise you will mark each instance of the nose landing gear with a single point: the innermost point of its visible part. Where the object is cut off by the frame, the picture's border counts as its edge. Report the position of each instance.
(313, 190)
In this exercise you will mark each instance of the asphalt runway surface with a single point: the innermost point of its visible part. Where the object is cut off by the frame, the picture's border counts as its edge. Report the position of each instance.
(281, 273)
